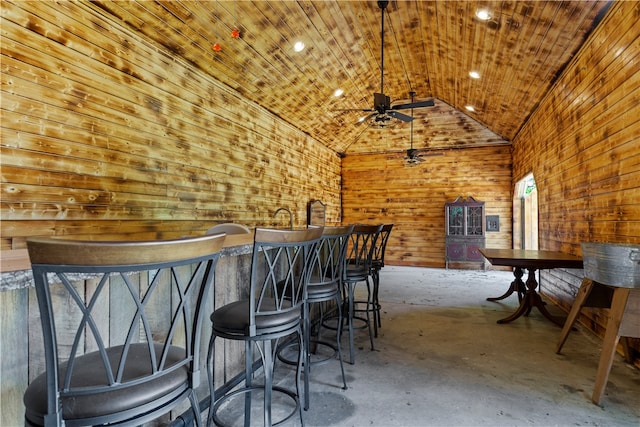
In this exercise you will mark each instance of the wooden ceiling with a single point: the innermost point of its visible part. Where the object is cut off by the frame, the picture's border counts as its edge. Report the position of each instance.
(430, 48)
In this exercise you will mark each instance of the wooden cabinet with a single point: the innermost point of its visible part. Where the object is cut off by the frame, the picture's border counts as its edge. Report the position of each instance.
(465, 228)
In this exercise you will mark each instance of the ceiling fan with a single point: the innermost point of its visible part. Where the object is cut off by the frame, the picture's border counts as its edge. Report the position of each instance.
(413, 156)
(383, 114)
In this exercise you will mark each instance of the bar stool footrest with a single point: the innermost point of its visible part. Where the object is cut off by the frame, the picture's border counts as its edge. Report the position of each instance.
(318, 361)
(345, 323)
(243, 390)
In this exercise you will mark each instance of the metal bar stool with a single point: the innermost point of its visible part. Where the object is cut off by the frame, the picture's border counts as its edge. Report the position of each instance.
(150, 361)
(272, 310)
(362, 242)
(325, 286)
(377, 263)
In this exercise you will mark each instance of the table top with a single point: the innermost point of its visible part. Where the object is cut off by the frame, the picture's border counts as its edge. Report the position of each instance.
(528, 258)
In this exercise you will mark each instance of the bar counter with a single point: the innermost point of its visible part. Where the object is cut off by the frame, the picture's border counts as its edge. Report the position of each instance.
(21, 334)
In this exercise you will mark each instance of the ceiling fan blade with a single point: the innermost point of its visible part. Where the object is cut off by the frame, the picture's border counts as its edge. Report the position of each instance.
(355, 109)
(419, 104)
(400, 116)
(432, 154)
(427, 152)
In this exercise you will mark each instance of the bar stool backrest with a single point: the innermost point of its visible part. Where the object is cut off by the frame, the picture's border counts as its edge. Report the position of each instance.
(362, 243)
(381, 246)
(279, 276)
(328, 261)
(121, 325)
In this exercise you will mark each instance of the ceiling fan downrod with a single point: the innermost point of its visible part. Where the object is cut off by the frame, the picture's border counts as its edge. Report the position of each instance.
(412, 94)
(382, 4)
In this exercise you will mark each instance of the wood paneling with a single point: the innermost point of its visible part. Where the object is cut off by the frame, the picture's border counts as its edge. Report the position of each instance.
(107, 134)
(583, 147)
(380, 188)
(14, 368)
(430, 47)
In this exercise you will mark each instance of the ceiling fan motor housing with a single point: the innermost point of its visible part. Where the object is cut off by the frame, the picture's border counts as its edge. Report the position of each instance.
(381, 102)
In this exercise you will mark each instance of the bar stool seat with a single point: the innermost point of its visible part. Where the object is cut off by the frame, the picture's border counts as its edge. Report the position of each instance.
(234, 318)
(321, 291)
(355, 272)
(117, 400)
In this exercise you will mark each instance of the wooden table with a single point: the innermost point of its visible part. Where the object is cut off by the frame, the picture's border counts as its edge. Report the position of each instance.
(531, 260)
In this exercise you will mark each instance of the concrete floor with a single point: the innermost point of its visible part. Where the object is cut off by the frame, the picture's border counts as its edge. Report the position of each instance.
(441, 360)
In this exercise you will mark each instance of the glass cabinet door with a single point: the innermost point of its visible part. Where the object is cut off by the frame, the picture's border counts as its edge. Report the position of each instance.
(455, 218)
(474, 221)
(465, 219)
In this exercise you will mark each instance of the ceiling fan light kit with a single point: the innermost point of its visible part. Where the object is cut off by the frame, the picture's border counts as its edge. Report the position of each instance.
(382, 121)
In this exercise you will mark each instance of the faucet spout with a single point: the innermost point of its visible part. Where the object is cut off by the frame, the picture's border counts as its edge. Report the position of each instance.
(288, 211)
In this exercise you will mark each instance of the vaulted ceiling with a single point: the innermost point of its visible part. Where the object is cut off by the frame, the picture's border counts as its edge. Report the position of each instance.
(429, 48)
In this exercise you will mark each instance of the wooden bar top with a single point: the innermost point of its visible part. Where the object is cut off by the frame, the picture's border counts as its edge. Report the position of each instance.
(526, 258)
(14, 260)
(18, 259)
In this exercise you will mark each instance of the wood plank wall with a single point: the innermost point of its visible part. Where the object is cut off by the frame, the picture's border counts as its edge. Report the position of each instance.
(105, 134)
(380, 188)
(583, 147)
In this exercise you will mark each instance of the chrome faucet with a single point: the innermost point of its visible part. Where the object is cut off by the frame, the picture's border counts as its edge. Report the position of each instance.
(290, 215)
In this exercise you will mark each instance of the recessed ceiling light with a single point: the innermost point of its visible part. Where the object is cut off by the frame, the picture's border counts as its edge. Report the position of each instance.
(474, 74)
(483, 14)
(470, 108)
(298, 46)
(338, 92)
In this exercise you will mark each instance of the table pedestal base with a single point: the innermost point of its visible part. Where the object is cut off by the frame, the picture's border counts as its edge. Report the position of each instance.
(516, 286)
(531, 299)
(532, 260)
